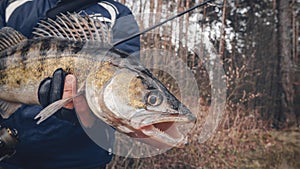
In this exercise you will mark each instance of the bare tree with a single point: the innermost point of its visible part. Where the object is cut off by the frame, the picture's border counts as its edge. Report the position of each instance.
(284, 48)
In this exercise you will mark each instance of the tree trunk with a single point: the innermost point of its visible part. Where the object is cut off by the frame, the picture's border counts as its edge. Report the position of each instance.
(222, 42)
(287, 115)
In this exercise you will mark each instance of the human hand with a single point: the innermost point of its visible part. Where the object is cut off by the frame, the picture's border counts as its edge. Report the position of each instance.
(54, 88)
(62, 86)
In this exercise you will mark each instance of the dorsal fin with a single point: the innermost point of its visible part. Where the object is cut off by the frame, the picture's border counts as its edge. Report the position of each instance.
(9, 37)
(74, 27)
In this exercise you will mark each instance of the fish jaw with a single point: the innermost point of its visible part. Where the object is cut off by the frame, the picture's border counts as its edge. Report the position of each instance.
(161, 129)
(158, 129)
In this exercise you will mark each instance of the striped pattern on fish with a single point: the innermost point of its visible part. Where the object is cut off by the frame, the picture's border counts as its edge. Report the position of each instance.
(33, 60)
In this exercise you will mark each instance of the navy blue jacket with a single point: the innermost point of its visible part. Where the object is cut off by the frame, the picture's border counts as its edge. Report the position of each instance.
(56, 143)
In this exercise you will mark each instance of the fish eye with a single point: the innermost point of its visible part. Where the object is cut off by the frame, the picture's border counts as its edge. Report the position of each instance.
(154, 98)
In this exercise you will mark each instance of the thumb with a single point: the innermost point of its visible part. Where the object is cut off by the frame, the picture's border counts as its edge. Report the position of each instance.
(70, 89)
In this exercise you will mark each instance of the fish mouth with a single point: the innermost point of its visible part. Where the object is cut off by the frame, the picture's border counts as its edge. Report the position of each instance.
(165, 132)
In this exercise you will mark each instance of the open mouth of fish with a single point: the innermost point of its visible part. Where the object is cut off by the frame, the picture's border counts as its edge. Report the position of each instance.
(165, 132)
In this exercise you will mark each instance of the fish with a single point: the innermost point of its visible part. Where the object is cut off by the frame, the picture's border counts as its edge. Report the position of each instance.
(118, 89)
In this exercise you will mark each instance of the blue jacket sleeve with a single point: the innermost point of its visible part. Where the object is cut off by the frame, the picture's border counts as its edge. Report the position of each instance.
(124, 27)
(2, 13)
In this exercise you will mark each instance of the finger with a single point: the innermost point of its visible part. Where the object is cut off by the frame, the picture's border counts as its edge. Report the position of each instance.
(43, 92)
(57, 85)
(70, 89)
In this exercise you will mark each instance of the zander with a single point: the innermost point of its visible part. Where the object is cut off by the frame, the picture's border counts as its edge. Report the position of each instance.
(117, 88)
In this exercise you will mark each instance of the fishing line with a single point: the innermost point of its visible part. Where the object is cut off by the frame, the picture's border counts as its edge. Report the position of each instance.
(163, 22)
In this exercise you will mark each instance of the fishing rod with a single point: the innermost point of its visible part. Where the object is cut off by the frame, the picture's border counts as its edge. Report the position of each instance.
(163, 22)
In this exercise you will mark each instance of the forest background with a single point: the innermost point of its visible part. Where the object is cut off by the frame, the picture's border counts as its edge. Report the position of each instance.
(258, 44)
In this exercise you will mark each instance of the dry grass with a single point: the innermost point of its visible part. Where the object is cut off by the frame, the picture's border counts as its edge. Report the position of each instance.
(242, 141)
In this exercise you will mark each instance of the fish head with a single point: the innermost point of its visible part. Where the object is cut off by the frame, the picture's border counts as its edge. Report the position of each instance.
(136, 103)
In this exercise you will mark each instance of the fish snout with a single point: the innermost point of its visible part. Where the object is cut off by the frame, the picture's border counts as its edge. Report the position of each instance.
(183, 110)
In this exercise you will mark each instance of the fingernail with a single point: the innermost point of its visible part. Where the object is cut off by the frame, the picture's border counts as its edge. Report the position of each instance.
(70, 79)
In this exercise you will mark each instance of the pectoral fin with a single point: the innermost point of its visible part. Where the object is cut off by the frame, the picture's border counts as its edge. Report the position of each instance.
(51, 109)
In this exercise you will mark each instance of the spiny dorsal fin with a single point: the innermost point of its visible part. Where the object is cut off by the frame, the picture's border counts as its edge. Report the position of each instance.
(74, 27)
(10, 37)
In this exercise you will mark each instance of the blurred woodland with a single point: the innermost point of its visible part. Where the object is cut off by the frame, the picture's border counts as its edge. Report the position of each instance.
(258, 44)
